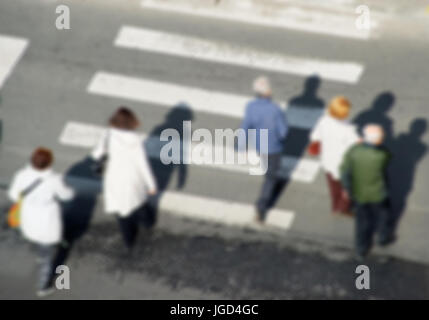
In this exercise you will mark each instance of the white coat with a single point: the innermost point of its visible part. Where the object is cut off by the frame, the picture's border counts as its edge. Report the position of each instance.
(128, 177)
(336, 137)
(41, 220)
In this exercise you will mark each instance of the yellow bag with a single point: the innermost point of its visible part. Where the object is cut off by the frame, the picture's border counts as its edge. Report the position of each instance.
(13, 215)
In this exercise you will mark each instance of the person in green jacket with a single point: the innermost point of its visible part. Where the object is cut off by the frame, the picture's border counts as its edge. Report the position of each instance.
(363, 174)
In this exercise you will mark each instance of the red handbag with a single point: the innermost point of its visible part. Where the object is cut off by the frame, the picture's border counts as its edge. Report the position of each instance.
(314, 148)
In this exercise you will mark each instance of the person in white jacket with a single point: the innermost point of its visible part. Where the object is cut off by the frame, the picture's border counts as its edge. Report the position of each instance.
(40, 215)
(128, 178)
(335, 135)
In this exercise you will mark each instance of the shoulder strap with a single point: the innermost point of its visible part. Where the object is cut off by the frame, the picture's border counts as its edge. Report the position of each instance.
(31, 187)
(107, 142)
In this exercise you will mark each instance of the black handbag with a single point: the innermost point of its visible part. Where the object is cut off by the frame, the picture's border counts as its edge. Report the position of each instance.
(99, 166)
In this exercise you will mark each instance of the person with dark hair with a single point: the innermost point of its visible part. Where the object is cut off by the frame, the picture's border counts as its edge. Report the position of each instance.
(40, 187)
(124, 119)
(127, 178)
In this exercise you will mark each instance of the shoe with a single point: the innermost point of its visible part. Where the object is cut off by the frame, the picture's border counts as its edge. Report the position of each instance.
(384, 259)
(348, 214)
(130, 253)
(258, 219)
(65, 244)
(45, 292)
(388, 241)
(361, 257)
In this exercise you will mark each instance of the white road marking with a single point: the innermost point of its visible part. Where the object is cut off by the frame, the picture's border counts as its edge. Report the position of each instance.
(196, 48)
(11, 50)
(206, 209)
(170, 95)
(294, 18)
(84, 135)
(220, 211)
(167, 94)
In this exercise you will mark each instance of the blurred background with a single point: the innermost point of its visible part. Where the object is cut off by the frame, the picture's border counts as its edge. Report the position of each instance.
(59, 87)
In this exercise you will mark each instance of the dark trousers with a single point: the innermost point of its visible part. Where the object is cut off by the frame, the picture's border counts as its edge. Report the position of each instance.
(338, 201)
(272, 185)
(129, 226)
(370, 219)
(47, 265)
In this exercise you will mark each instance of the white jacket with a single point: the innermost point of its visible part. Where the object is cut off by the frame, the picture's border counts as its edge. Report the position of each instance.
(128, 176)
(336, 137)
(41, 220)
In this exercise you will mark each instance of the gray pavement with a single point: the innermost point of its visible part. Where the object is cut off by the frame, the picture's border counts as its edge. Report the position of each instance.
(48, 88)
(211, 263)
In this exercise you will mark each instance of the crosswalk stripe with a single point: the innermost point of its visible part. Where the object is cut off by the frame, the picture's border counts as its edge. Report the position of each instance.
(196, 48)
(167, 94)
(294, 18)
(220, 211)
(170, 95)
(205, 208)
(11, 50)
(84, 135)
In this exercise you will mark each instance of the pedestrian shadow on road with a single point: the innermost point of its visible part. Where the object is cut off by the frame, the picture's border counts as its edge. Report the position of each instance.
(1, 132)
(78, 213)
(1, 126)
(164, 172)
(408, 150)
(378, 114)
(301, 109)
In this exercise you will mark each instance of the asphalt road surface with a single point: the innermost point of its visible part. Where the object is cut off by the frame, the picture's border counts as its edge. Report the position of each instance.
(173, 265)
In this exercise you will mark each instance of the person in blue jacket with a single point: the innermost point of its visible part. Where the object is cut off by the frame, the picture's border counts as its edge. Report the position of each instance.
(263, 113)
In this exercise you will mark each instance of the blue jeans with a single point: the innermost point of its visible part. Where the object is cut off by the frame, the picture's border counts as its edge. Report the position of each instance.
(47, 256)
(271, 187)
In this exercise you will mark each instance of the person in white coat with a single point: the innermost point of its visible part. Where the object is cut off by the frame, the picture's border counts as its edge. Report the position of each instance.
(335, 135)
(127, 177)
(40, 215)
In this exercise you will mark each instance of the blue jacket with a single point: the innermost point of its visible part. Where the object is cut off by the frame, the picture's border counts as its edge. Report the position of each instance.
(262, 113)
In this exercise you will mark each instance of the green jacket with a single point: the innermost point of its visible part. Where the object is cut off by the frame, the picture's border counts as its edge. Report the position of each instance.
(363, 173)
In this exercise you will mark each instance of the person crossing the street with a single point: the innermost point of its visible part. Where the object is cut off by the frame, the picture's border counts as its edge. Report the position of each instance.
(263, 113)
(363, 174)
